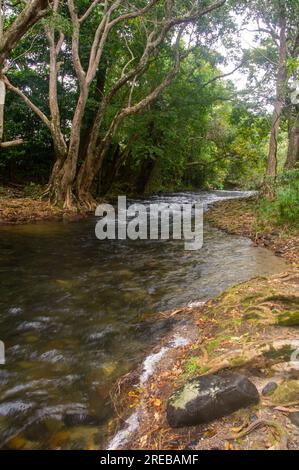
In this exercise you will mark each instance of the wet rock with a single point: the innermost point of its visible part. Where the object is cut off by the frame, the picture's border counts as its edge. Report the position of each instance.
(77, 419)
(269, 389)
(209, 397)
(294, 418)
(156, 329)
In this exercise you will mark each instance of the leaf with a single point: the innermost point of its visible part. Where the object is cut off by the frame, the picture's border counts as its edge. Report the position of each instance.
(157, 403)
(228, 446)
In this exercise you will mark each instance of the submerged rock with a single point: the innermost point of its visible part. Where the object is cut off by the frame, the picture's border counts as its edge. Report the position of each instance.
(78, 419)
(269, 389)
(209, 397)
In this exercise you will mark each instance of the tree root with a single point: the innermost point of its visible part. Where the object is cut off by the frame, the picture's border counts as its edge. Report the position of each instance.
(244, 357)
(283, 443)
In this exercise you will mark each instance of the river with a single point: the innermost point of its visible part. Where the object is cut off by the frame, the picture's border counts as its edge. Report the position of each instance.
(77, 314)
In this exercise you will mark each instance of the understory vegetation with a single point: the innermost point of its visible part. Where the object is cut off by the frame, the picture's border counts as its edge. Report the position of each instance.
(283, 208)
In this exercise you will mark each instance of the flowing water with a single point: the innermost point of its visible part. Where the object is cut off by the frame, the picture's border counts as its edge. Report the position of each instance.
(77, 313)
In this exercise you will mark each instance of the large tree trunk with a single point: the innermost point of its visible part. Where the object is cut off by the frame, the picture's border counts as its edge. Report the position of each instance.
(85, 180)
(280, 94)
(61, 184)
(91, 117)
(293, 148)
(2, 104)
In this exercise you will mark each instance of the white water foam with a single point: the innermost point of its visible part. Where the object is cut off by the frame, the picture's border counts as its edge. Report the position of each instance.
(196, 304)
(122, 436)
(149, 365)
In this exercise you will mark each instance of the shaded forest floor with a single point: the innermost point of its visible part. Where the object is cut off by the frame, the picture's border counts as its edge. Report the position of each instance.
(252, 329)
(16, 207)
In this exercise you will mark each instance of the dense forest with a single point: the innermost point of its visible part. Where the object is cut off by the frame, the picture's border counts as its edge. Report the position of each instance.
(144, 340)
(109, 97)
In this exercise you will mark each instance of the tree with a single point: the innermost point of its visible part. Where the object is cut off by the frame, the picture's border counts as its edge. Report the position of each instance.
(280, 91)
(159, 24)
(277, 29)
(33, 11)
(293, 147)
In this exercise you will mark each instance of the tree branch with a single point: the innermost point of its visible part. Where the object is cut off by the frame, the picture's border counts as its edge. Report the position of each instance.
(11, 143)
(33, 11)
(224, 75)
(26, 100)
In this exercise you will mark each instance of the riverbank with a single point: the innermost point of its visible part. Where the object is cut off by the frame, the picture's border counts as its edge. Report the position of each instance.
(239, 217)
(251, 329)
(17, 207)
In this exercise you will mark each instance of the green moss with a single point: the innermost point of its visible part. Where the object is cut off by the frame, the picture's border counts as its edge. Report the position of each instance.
(288, 319)
(180, 399)
(204, 369)
(283, 353)
(192, 365)
(246, 301)
(253, 315)
(287, 392)
(238, 361)
(212, 345)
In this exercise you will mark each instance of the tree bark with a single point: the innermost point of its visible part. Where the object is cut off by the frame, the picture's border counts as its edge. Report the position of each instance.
(2, 104)
(280, 94)
(293, 148)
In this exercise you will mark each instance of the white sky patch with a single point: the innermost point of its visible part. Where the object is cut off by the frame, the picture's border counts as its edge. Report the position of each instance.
(247, 35)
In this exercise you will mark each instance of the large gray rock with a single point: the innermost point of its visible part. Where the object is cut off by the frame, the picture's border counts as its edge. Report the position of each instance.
(209, 397)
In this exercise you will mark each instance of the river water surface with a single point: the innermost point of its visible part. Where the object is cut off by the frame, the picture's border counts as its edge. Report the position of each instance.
(76, 315)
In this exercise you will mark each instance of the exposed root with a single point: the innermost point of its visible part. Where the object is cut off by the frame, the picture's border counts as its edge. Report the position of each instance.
(247, 356)
(283, 442)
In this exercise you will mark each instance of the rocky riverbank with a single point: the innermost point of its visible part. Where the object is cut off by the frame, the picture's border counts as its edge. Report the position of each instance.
(252, 331)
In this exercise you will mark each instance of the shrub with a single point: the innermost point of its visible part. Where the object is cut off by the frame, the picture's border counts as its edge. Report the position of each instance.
(284, 208)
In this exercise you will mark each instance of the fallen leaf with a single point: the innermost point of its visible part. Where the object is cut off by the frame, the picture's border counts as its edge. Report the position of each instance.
(157, 403)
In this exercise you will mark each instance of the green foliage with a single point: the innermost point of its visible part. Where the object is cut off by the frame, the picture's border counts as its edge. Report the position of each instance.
(284, 208)
(198, 134)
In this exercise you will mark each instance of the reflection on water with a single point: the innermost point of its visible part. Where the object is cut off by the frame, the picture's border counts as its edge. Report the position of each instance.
(76, 315)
